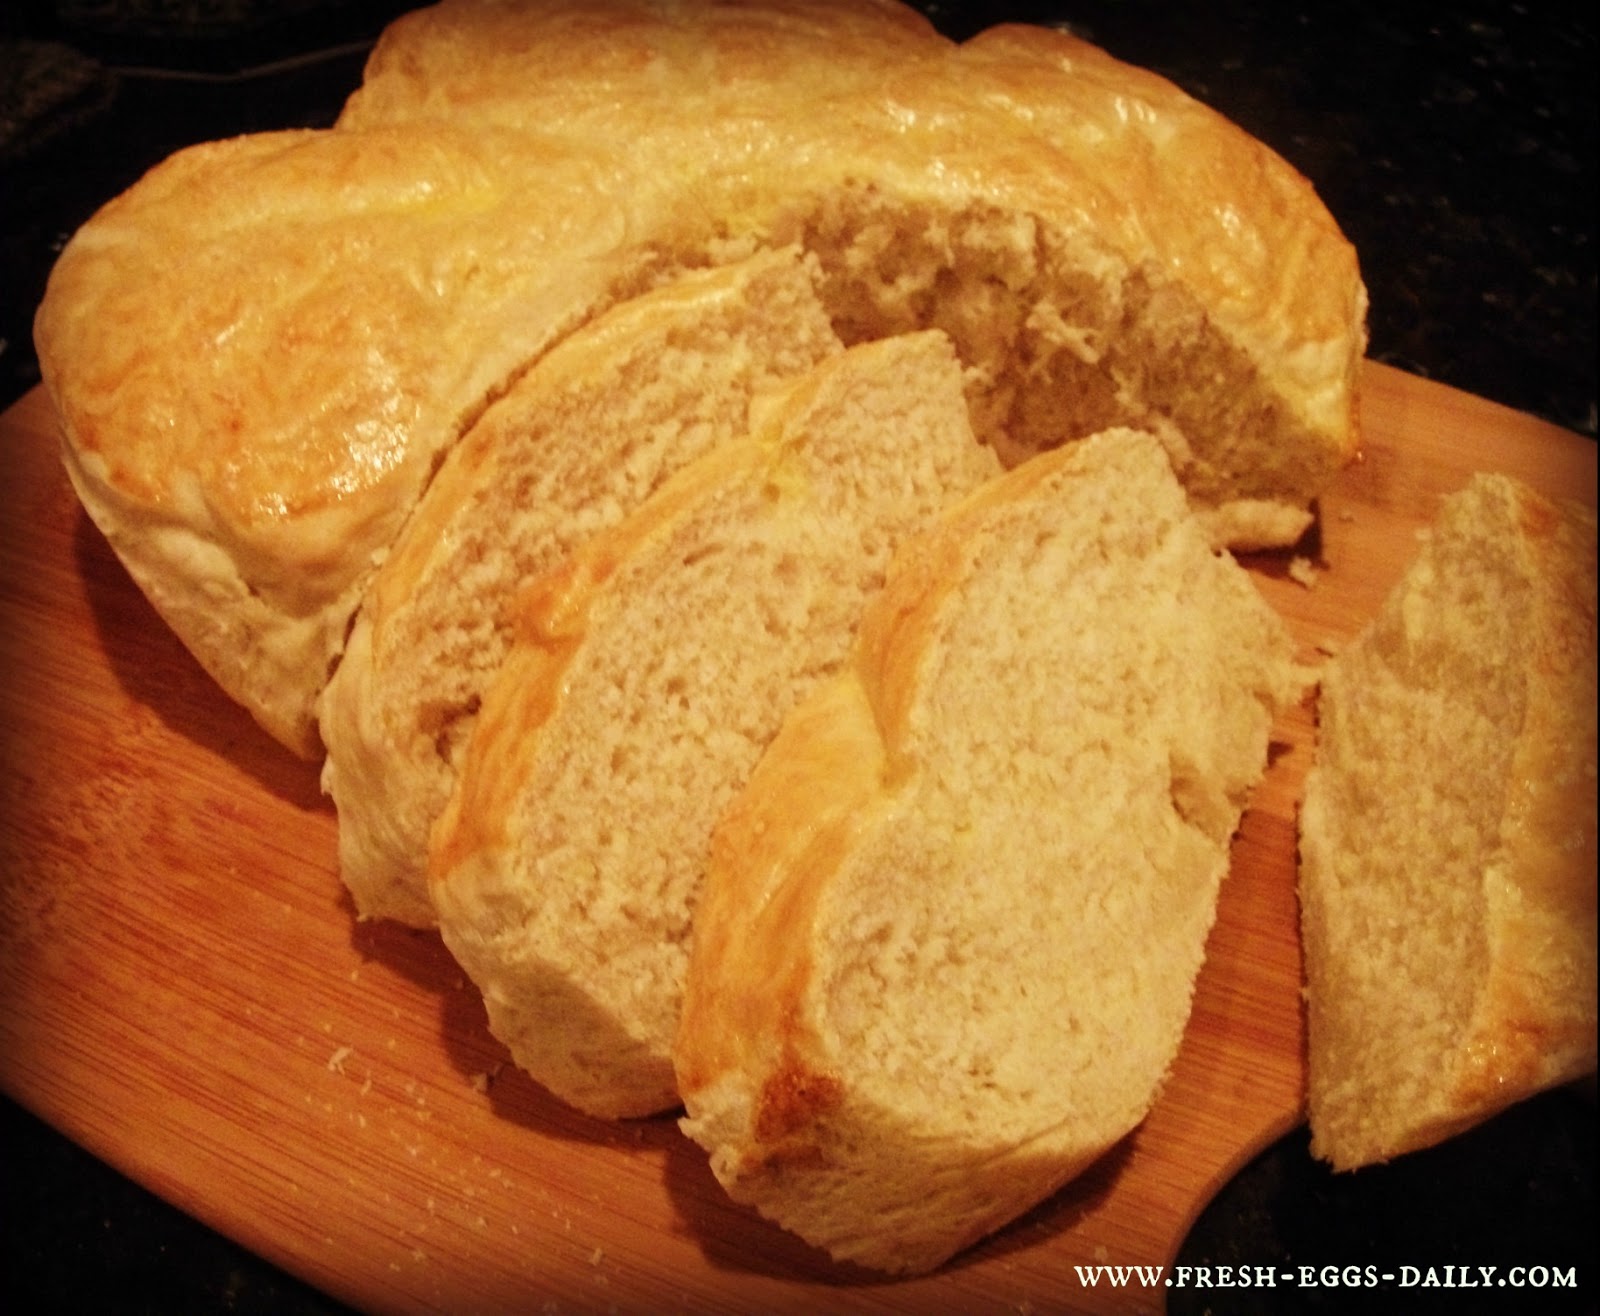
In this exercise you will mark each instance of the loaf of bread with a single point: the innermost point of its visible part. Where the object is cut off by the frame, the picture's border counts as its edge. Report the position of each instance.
(647, 677)
(1447, 835)
(947, 942)
(262, 352)
(579, 441)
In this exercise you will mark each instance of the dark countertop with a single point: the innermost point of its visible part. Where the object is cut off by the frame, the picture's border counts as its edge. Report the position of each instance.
(1455, 143)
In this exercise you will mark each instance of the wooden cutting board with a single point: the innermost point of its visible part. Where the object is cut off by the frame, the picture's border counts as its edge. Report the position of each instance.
(184, 990)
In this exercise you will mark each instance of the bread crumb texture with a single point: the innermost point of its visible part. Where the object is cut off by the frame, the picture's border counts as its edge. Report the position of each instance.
(1448, 834)
(648, 679)
(958, 973)
(582, 439)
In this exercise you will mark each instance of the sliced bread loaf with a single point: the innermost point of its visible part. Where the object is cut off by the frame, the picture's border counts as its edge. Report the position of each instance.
(647, 678)
(949, 934)
(581, 439)
(259, 354)
(1447, 835)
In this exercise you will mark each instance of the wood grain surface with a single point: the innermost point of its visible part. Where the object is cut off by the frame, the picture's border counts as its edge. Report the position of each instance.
(185, 991)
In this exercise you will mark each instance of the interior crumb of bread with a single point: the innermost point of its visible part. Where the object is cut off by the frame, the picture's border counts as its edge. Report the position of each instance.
(1419, 726)
(1062, 339)
(698, 646)
(588, 454)
(1003, 963)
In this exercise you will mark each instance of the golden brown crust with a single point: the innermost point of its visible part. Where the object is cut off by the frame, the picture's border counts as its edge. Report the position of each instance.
(798, 814)
(640, 59)
(287, 376)
(1023, 117)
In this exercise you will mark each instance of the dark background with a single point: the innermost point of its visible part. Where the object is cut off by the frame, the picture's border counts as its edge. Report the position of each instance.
(1454, 142)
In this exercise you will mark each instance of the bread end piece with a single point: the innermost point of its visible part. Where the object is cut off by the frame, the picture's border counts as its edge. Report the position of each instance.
(1447, 835)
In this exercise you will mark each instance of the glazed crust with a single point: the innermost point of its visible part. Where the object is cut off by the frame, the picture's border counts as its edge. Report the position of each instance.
(1023, 117)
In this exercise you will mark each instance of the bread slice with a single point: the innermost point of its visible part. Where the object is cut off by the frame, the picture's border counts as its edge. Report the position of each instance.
(648, 677)
(948, 939)
(581, 440)
(1447, 835)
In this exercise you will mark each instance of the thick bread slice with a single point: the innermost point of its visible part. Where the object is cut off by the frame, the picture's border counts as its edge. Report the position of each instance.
(580, 440)
(1447, 835)
(647, 679)
(948, 938)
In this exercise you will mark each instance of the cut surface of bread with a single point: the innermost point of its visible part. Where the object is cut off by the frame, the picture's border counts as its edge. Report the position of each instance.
(645, 681)
(578, 442)
(947, 942)
(1447, 835)
(262, 351)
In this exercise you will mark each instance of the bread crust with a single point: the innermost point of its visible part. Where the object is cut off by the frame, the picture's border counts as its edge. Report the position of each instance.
(244, 352)
(1022, 115)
